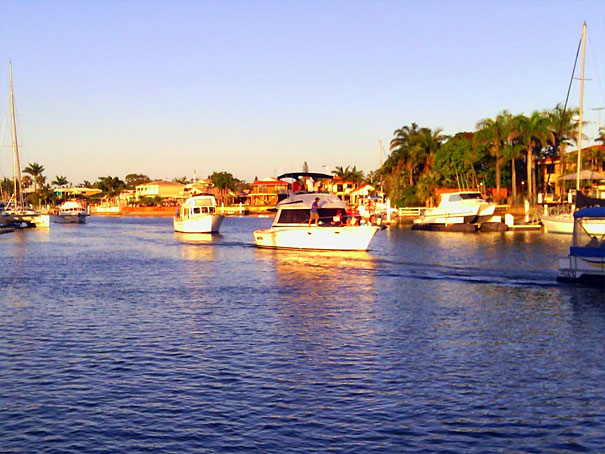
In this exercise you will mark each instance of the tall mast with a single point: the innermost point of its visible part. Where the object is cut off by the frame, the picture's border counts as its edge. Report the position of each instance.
(579, 166)
(16, 164)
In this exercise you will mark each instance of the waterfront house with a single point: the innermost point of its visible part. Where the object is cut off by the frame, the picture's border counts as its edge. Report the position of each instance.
(159, 188)
(197, 187)
(342, 188)
(267, 192)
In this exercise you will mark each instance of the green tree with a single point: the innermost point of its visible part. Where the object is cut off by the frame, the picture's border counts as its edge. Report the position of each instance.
(60, 181)
(224, 181)
(132, 180)
(495, 134)
(36, 171)
(564, 129)
(6, 188)
(112, 186)
(533, 133)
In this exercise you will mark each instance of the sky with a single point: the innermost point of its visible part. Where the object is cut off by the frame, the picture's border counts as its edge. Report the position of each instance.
(258, 87)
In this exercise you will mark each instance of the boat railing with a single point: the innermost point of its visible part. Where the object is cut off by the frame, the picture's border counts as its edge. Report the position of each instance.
(560, 208)
(409, 211)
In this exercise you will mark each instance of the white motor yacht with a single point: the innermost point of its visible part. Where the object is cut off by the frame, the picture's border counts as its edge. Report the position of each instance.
(462, 207)
(198, 215)
(71, 212)
(291, 229)
(586, 260)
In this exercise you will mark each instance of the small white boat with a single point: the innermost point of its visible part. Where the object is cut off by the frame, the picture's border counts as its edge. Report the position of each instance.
(586, 260)
(71, 212)
(564, 222)
(291, 230)
(198, 215)
(455, 208)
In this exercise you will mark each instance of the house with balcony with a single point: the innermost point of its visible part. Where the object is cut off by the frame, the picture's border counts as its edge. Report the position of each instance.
(267, 192)
(342, 188)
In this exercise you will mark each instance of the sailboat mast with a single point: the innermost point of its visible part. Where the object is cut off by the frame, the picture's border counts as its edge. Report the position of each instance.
(16, 164)
(579, 165)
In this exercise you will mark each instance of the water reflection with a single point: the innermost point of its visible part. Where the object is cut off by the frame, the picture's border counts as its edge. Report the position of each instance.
(198, 238)
(325, 298)
(197, 246)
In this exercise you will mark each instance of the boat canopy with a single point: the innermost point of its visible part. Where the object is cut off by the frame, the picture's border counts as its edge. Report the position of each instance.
(594, 212)
(296, 175)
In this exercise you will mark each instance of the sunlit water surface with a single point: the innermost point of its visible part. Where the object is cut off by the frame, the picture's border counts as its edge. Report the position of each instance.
(122, 336)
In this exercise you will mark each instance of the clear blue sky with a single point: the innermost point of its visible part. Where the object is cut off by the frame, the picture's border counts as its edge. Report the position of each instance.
(258, 87)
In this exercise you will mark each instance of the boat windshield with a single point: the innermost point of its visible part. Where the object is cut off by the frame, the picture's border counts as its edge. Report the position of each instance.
(302, 216)
(471, 196)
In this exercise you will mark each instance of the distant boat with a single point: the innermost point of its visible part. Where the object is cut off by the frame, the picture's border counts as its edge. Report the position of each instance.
(198, 215)
(71, 212)
(16, 213)
(586, 259)
(291, 230)
(460, 209)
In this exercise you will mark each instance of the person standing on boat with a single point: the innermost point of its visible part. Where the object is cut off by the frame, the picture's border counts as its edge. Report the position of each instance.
(314, 212)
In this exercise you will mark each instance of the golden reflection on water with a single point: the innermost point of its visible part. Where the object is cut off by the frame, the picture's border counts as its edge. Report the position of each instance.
(326, 298)
(197, 246)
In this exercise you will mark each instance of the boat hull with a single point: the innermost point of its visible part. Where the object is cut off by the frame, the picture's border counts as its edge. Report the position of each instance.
(346, 238)
(202, 224)
(70, 218)
(24, 220)
(563, 224)
(581, 269)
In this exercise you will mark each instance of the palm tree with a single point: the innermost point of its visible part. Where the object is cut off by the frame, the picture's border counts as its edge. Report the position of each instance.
(495, 134)
(340, 171)
(35, 170)
(60, 181)
(427, 142)
(533, 132)
(26, 181)
(564, 129)
(402, 154)
(512, 152)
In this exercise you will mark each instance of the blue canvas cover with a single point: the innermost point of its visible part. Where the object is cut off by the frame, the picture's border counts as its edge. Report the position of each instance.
(594, 212)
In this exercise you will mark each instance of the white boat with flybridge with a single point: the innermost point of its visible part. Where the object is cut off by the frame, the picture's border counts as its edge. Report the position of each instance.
(17, 213)
(198, 215)
(460, 210)
(291, 227)
(71, 212)
(586, 260)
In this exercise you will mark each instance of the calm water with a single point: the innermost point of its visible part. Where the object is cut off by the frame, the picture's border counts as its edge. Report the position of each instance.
(122, 336)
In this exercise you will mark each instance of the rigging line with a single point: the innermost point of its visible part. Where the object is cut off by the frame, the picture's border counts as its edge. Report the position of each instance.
(569, 88)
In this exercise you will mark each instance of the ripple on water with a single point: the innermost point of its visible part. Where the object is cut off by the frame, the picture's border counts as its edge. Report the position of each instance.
(121, 337)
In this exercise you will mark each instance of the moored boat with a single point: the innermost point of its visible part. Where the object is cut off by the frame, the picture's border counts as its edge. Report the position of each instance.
(71, 212)
(457, 211)
(586, 260)
(198, 215)
(17, 213)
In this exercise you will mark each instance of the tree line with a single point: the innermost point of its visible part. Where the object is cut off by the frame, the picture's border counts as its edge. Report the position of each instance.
(501, 152)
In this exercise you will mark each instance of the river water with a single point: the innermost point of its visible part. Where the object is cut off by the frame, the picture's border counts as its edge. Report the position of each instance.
(123, 336)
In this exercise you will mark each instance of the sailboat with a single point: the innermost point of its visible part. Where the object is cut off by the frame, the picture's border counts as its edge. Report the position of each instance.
(564, 223)
(17, 213)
